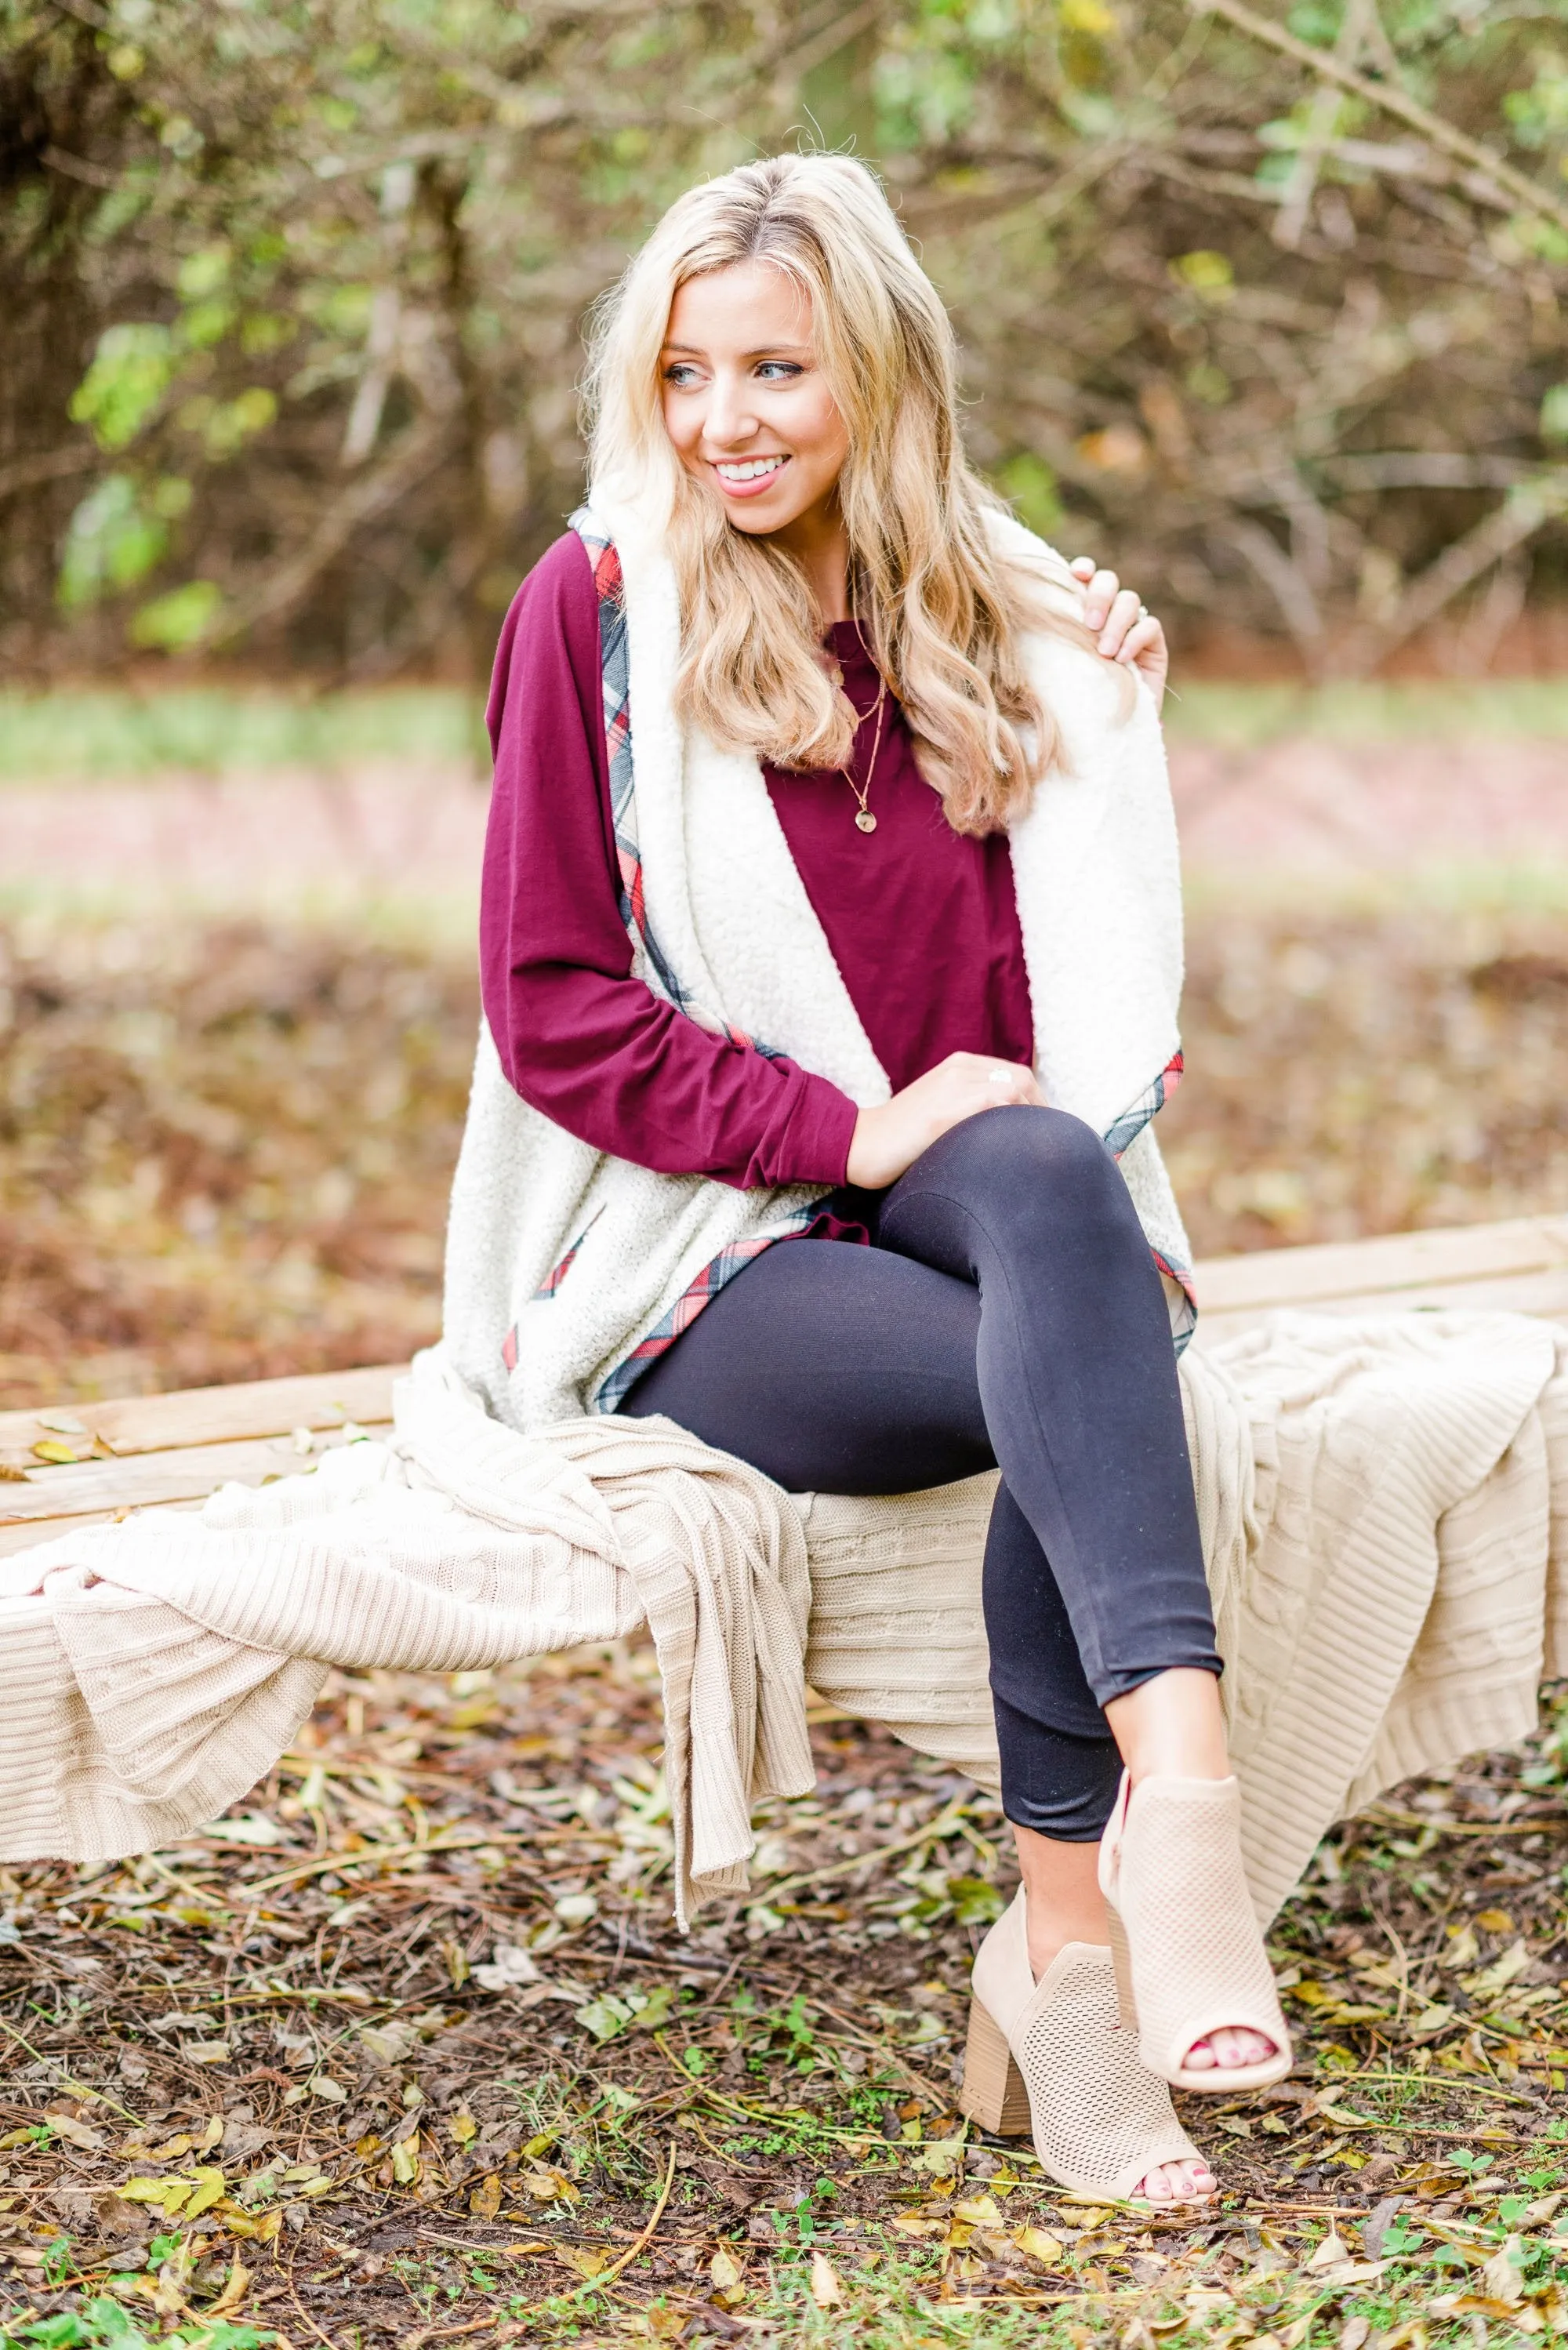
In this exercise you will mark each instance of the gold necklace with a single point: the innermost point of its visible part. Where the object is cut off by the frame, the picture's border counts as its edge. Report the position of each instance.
(864, 820)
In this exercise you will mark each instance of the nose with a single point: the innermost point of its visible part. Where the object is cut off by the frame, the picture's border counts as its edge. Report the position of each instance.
(731, 416)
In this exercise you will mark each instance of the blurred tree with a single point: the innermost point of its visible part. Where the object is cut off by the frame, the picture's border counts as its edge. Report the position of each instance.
(1267, 308)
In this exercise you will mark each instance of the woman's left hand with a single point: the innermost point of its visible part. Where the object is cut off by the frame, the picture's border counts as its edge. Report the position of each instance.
(1128, 632)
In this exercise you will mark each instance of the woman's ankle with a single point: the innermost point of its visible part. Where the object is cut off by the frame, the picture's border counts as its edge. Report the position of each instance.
(1172, 1726)
(1062, 1902)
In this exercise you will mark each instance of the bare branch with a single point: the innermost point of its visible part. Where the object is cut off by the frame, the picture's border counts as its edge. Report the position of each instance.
(1534, 199)
(1525, 510)
(412, 459)
(28, 473)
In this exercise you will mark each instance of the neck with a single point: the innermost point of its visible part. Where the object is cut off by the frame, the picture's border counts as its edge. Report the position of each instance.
(820, 544)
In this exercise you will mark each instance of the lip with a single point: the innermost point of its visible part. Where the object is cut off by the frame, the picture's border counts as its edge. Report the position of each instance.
(752, 489)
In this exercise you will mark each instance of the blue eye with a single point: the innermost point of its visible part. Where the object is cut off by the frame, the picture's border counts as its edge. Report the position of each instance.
(786, 368)
(680, 374)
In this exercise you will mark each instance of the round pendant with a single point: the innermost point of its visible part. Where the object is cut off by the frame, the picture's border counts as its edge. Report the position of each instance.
(866, 821)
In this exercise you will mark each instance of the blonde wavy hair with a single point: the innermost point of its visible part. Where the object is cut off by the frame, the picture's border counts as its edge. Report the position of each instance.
(943, 612)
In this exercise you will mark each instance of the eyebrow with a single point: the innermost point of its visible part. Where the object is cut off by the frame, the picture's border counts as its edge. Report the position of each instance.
(763, 350)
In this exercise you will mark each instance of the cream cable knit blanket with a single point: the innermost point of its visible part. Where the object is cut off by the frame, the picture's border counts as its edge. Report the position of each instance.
(1385, 1509)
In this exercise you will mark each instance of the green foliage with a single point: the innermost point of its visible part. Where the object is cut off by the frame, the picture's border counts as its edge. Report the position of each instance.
(114, 540)
(130, 372)
(183, 618)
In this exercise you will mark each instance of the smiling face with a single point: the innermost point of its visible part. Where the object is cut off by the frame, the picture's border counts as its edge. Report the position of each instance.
(745, 404)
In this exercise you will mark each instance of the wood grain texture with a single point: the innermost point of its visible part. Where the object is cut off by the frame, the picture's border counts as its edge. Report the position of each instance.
(209, 1415)
(183, 1473)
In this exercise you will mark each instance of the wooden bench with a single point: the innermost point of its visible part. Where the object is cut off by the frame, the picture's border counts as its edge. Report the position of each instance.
(180, 1448)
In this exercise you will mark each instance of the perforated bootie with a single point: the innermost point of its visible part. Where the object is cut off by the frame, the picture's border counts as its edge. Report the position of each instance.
(1185, 1938)
(1051, 2056)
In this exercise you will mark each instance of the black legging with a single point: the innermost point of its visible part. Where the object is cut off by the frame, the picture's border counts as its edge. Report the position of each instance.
(1008, 1315)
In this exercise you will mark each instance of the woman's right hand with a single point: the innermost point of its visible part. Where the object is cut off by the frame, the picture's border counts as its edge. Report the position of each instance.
(891, 1136)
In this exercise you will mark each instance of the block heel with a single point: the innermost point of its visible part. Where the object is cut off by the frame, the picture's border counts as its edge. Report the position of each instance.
(992, 2094)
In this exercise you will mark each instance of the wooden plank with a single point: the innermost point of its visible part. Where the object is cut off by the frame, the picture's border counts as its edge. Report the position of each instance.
(16, 1538)
(1542, 1294)
(188, 1474)
(209, 1415)
(1372, 1270)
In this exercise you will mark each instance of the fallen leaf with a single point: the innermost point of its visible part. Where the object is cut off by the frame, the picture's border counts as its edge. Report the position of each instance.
(322, 2085)
(236, 2284)
(547, 2186)
(75, 2132)
(58, 1455)
(169, 2292)
(1330, 2253)
(942, 2158)
(406, 2160)
(1500, 2275)
(825, 2289)
(980, 2212)
(509, 1966)
(207, 2190)
(589, 2260)
(463, 2127)
(1039, 2245)
(206, 2052)
(65, 1423)
(251, 1827)
(389, 2044)
(485, 2200)
(724, 2269)
(605, 2017)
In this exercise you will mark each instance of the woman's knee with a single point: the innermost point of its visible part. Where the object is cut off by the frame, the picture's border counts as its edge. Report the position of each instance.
(1025, 1156)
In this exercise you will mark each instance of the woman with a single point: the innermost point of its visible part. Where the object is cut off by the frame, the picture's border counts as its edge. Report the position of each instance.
(830, 894)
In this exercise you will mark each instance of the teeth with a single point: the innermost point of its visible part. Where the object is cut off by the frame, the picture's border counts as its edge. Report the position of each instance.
(749, 469)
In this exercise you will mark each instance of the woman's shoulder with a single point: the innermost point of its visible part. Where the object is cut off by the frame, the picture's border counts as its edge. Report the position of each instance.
(554, 607)
(561, 584)
(552, 626)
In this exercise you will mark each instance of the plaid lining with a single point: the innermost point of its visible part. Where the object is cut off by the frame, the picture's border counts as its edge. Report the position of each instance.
(558, 1273)
(1124, 1131)
(1119, 1137)
(687, 1307)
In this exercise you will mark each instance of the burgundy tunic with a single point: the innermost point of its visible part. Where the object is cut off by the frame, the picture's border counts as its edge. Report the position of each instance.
(921, 921)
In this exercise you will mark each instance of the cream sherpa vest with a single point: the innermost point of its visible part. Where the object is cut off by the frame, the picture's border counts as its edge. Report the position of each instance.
(566, 1268)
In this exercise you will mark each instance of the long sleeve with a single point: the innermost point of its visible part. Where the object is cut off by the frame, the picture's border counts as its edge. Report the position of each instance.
(580, 1037)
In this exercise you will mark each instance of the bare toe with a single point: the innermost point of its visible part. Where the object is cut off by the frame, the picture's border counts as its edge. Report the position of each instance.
(1179, 2183)
(1230, 2047)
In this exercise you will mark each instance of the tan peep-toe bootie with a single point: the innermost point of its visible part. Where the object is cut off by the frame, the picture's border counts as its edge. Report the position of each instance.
(1052, 2056)
(1188, 1952)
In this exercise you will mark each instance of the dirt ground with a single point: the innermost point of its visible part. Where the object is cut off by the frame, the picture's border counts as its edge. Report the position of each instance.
(406, 2051)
